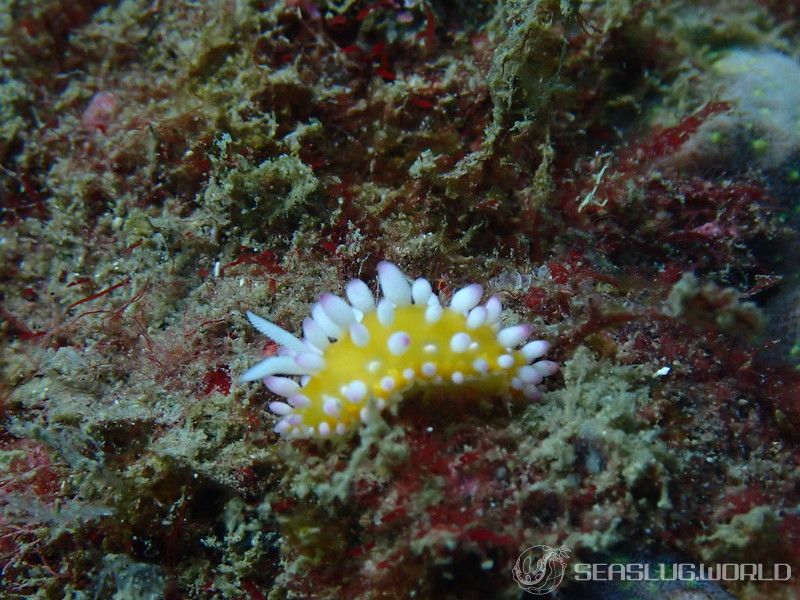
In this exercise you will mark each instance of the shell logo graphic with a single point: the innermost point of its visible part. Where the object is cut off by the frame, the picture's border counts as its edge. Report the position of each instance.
(539, 570)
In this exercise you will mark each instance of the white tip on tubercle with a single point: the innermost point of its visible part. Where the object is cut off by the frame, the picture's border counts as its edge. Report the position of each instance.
(359, 334)
(513, 336)
(360, 296)
(421, 290)
(535, 349)
(310, 361)
(337, 310)
(324, 429)
(394, 284)
(272, 331)
(385, 312)
(331, 329)
(466, 298)
(283, 386)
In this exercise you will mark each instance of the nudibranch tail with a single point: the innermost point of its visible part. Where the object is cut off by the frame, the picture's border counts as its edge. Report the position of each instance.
(359, 349)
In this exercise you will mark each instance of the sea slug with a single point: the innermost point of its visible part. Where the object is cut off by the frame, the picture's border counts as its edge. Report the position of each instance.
(362, 355)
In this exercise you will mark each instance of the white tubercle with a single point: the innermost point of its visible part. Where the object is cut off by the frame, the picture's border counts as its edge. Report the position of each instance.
(421, 290)
(460, 342)
(280, 408)
(458, 377)
(531, 392)
(300, 401)
(530, 375)
(398, 342)
(535, 349)
(477, 317)
(311, 347)
(394, 284)
(324, 429)
(331, 329)
(480, 365)
(355, 391)
(466, 298)
(272, 331)
(360, 296)
(428, 369)
(505, 361)
(274, 365)
(331, 406)
(359, 334)
(340, 428)
(385, 312)
(387, 384)
(310, 361)
(337, 310)
(315, 334)
(433, 313)
(493, 310)
(510, 337)
(282, 386)
(546, 367)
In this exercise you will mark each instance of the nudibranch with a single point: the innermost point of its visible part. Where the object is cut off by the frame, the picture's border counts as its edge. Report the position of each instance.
(363, 355)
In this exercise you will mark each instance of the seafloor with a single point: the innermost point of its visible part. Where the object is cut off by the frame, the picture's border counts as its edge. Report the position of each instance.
(623, 174)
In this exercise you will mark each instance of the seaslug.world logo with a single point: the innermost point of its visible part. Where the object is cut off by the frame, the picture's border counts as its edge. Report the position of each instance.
(540, 569)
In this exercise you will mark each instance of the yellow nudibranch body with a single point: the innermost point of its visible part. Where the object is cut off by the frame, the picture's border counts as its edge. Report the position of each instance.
(361, 355)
